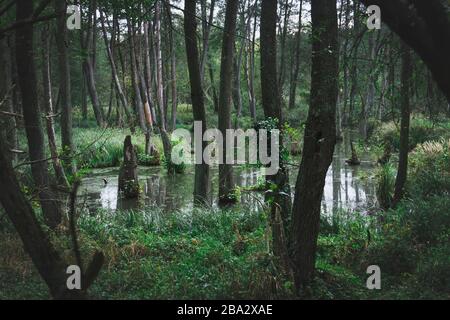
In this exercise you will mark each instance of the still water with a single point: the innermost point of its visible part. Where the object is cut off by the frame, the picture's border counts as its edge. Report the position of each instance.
(347, 188)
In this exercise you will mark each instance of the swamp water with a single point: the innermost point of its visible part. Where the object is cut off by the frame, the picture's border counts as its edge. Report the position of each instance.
(347, 188)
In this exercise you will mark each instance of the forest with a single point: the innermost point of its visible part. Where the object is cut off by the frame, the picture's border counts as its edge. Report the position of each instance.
(224, 149)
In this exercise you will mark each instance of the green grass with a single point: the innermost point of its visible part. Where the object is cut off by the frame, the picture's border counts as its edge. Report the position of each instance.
(103, 148)
(191, 255)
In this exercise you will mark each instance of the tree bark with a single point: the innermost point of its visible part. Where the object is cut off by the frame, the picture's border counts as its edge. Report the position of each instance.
(31, 115)
(138, 104)
(296, 68)
(65, 87)
(48, 107)
(287, 13)
(173, 68)
(115, 75)
(202, 183)
(206, 27)
(319, 140)
(87, 42)
(148, 69)
(8, 123)
(271, 101)
(160, 84)
(226, 183)
(251, 67)
(406, 79)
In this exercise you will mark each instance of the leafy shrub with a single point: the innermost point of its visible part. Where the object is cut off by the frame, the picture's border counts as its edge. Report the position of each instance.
(421, 130)
(385, 185)
(430, 169)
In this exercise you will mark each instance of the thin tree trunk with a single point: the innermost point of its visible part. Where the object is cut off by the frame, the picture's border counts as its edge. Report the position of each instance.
(281, 79)
(89, 64)
(8, 124)
(345, 94)
(160, 84)
(296, 68)
(238, 60)
(213, 87)
(48, 107)
(146, 102)
(139, 107)
(251, 76)
(202, 183)
(406, 80)
(148, 69)
(65, 100)
(206, 27)
(226, 183)
(84, 102)
(115, 75)
(173, 68)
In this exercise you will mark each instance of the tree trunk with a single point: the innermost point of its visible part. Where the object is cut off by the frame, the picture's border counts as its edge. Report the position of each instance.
(32, 117)
(202, 183)
(245, 25)
(281, 80)
(173, 69)
(48, 107)
(160, 84)
(319, 140)
(226, 183)
(115, 75)
(87, 42)
(296, 68)
(251, 67)
(406, 80)
(213, 87)
(148, 69)
(271, 101)
(64, 83)
(138, 104)
(8, 123)
(206, 28)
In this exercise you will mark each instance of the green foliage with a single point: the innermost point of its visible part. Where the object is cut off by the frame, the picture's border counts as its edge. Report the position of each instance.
(104, 148)
(421, 130)
(430, 169)
(385, 185)
(189, 255)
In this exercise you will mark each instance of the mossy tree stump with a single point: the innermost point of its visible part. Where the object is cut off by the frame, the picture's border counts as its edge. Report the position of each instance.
(128, 174)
